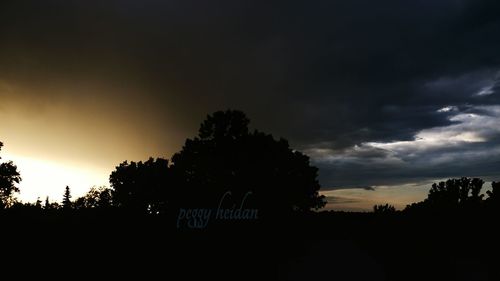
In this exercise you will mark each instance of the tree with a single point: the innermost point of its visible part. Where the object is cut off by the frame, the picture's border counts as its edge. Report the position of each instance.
(493, 200)
(66, 202)
(140, 187)
(50, 206)
(456, 192)
(462, 193)
(46, 206)
(476, 184)
(9, 177)
(96, 197)
(226, 157)
(494, 193)
(38, 203)
(384, 209)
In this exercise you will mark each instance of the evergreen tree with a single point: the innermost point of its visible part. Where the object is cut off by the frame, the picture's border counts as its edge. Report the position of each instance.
(47, 203)
(66, 202)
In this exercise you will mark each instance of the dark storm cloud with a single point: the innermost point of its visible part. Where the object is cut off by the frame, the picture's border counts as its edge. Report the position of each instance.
(330, 76)
(468, 147)
(336, 200)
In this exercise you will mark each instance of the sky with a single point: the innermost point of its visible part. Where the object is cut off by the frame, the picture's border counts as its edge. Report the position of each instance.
(385, 97)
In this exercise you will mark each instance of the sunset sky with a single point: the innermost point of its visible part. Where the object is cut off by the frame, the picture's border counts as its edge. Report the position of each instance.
(384, 97)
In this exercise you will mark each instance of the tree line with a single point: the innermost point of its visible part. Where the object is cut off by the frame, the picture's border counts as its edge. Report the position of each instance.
(227, 158)
(451, 196)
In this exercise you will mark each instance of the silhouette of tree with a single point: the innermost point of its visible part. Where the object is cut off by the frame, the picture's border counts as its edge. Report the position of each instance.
(384, 209)
(462, 193)
(79, 203)
(494, 193)
(140, 186)
(416, 207)
(225, 156)
(456, 192)
(27, 208)
(66, 202)
(9, 177)
(493, 201)
(475, 187)
(444, 193)
(38, 203)
(46, 206)
(50, 206)
(96, 197)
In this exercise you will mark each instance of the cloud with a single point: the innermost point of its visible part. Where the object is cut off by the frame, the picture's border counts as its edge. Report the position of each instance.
(447, 109)
(488, 90)
(491, 88)
(340, 200)
(467, 147)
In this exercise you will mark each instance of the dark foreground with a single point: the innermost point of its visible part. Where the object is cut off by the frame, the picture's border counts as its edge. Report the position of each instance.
(317, 246)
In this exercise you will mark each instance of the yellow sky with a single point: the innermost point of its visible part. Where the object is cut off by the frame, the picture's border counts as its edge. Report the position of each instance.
(43, 178)
(76, 139)
(357, 199)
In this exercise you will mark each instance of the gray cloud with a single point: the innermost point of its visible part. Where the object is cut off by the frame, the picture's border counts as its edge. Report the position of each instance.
(340, 200)
(467, 147)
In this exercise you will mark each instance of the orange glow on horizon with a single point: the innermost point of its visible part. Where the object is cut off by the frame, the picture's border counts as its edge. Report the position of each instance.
(41, 178)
